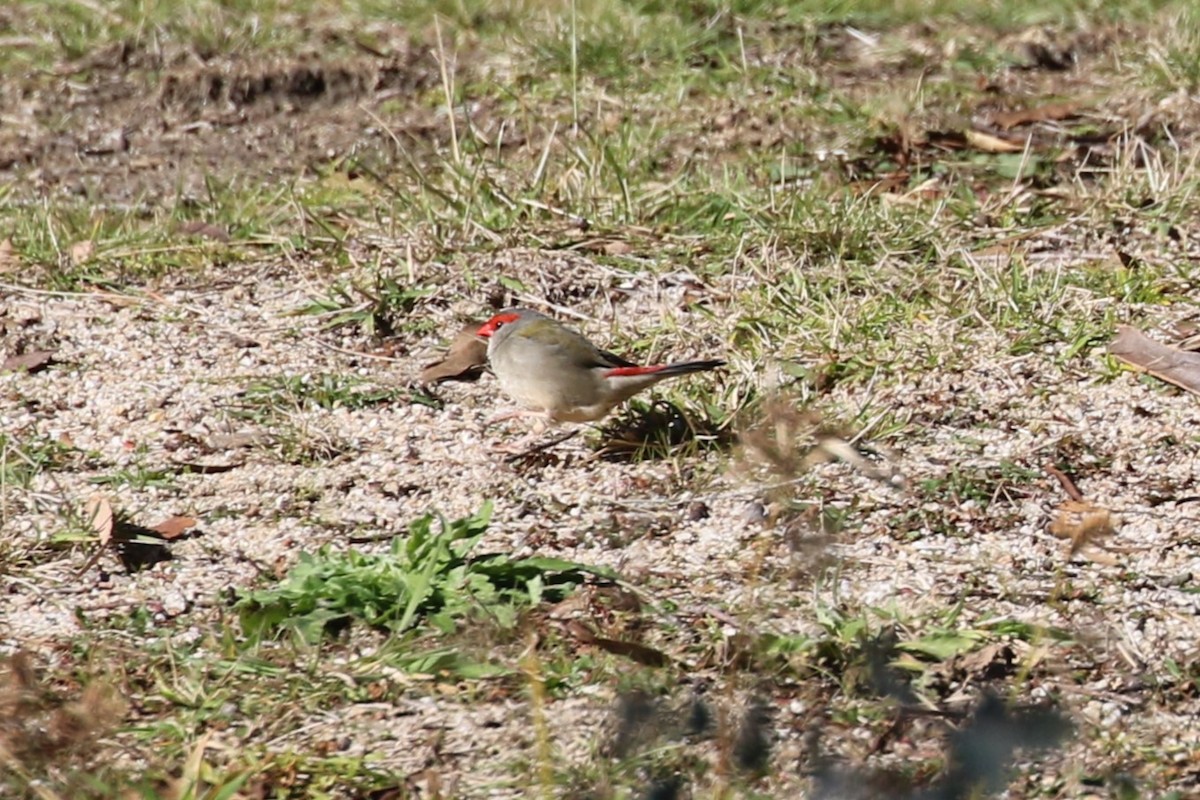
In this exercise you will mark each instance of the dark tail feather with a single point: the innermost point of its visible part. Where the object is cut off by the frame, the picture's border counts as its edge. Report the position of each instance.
(685, 367)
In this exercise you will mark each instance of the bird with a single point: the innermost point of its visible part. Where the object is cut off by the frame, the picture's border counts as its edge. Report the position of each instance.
(554, 371)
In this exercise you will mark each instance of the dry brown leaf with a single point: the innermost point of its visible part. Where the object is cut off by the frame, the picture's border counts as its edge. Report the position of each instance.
(573, 604)
(32, 361)
(1084, 524)
(1064, 480)
(99, 515)
(989, 662)
(8, 257)
(1186, 333)
(202, 468)
(640, 653)
(204, 230)
(243, 342)
(947, 140)
(581, 632)
(1180, 367)
(465, 360)
(173, 527)
(998, 251)
(992, 144)
(892, 182)
(81, 251)
(1044, 113)
(118, 300)
(604, 246)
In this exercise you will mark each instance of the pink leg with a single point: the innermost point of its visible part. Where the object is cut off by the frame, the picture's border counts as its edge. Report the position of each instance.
(521, 447)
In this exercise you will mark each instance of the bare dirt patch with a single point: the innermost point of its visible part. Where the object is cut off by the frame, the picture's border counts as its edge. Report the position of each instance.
(124, 127)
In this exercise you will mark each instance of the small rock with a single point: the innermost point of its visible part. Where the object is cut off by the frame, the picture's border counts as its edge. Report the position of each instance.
(174, 603)
(755, 512)
(26, 316)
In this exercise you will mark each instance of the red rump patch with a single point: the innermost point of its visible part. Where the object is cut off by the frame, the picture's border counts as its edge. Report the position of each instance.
(619, 372)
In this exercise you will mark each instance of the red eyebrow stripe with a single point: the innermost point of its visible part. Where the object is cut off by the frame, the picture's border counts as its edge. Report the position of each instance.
(618, 372)
(489, 327)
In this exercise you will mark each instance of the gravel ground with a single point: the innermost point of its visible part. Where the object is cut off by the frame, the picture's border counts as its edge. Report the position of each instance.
(154, 382)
